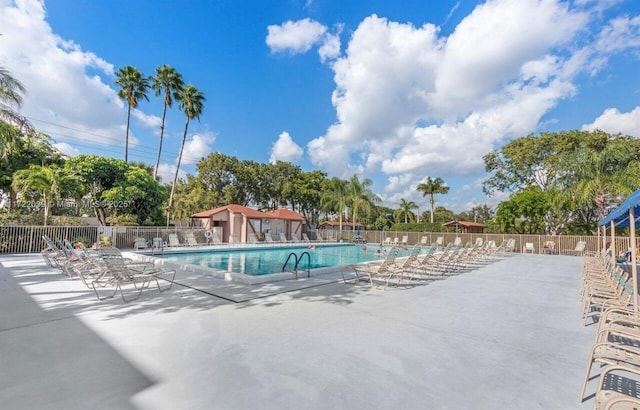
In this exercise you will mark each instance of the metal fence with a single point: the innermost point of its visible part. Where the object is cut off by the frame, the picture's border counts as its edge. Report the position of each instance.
(560, 242)
(28, 239)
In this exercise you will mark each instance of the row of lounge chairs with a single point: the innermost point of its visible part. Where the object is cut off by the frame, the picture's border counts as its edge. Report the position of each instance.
(439, 242)
(425, 264)
(106, 268)
(282, 238)
(607, 294)
(212, 238)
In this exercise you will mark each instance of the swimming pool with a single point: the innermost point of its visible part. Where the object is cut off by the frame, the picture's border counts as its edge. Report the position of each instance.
(265, 261)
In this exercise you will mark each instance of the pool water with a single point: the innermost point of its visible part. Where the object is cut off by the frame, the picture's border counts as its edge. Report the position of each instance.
(265, 261)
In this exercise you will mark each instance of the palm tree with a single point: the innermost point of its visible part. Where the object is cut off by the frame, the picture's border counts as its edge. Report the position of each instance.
(603, 175)
(432, 187)
(406, 210)
(190, 101)
(48, 183)
(334, 198)
(168, 81)
(134, 86)
(359, 195)
(11, 100)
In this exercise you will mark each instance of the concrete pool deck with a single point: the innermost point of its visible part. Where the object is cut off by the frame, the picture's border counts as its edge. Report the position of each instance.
(507, 335)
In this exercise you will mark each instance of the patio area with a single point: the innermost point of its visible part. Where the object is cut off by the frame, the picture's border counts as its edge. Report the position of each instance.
(507, 335)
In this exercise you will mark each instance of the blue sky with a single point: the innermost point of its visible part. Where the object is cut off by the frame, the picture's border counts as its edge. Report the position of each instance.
(394, 91)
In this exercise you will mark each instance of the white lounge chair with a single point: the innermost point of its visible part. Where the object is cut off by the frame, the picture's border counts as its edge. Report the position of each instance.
(190, 237)
(140, 243)
(252, 238)
(173, 240)
(295, 238)
(405, 239)
(374, 272)
(283, 237)
(528, 248)
(578, 251)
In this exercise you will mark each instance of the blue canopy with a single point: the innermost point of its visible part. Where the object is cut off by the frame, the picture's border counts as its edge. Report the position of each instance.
(620, 215)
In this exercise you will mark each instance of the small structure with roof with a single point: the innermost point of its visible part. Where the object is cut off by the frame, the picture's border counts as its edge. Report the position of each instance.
(240, 221)
(465, 226)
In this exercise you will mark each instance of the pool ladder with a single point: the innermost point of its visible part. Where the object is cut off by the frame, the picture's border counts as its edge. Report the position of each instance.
(298, 259)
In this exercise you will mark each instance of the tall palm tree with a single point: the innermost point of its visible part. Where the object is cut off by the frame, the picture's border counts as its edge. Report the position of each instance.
(134, 87)
(169, 82)
(360, 195)
(334, 198)
(405, 210)
(190, 101)
(432, 187)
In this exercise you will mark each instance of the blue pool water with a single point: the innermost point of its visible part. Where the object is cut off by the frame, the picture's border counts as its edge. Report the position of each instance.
(264, 261)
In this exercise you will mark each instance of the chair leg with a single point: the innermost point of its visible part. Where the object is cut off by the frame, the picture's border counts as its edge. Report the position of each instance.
(586, 377)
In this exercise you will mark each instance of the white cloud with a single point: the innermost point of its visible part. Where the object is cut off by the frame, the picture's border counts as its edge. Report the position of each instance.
(410, 102)
(166, 173)
(66, 149)
(330, 49)
(613, 121)
(147, 120)
(63, 99)
(299, 36)
(199, 146)
(285, 149)
(295, 36)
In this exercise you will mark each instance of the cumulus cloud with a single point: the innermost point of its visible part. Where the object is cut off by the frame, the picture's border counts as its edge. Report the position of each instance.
(613, 121)
(411, 102)
(285, 149)
(299, 36)
(166, 172)
(63, 99)
(199, 146)
(295, 36)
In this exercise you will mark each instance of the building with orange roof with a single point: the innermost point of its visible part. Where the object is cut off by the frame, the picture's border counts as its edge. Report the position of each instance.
(240, 221)
(466, 226)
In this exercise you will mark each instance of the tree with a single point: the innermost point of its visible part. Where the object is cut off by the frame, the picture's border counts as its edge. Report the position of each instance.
(45, 185)
(524, 211)
(334, 198)
(190, 101)
(134, 86)
(432, 187)
(98, 175)
(191, 197)
(405, 210)
(600, 177)
(359, 195)
(308, 194)
(138, 194)
(22, 151)
(11, 101)
(168, 82)
(569, 165)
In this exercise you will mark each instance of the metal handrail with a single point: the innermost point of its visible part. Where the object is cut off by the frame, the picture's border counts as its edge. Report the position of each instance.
(287, 261)
(308, 263)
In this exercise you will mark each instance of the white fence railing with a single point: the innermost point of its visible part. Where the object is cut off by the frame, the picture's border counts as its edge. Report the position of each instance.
(28, 239)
